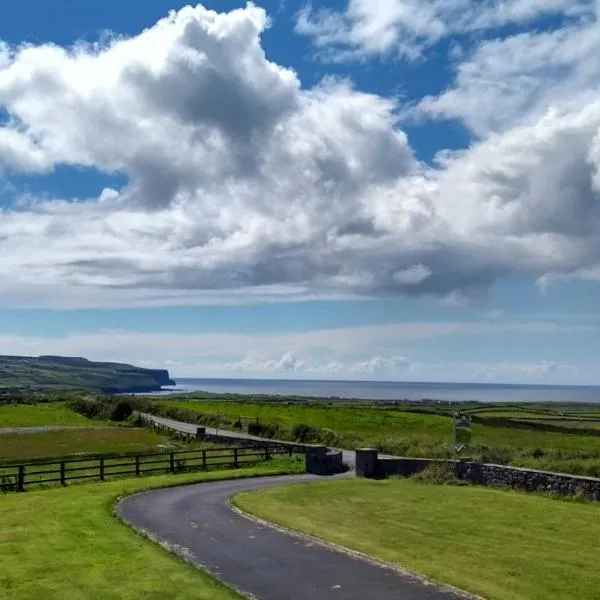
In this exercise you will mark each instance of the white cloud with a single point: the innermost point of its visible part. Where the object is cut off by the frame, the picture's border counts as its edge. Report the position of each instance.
(347, 354)
(515, 80)
(406, 28)
(245, 186)
(252, 363)
(288, 364)
(288, 351)
(540, 371)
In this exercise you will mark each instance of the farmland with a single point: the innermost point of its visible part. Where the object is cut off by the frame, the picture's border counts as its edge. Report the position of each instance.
(518, 437)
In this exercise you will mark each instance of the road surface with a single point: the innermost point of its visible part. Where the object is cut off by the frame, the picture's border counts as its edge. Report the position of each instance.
(258, 561)
(37, 429)
(349, 456)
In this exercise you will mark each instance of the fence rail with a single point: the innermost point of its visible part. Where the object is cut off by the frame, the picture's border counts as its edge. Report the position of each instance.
(16, 477)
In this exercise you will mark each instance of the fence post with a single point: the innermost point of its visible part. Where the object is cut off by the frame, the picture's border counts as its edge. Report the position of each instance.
(62, 473)
(267, 453)
(21, 479)
(204, 460)
(102, 468)
(137, 466)
(172, 462)
(235, 458)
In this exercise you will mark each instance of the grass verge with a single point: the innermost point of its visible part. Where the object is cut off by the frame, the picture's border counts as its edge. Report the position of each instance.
(40, 415)
(67, 543)
(500, 545)
(67, 442)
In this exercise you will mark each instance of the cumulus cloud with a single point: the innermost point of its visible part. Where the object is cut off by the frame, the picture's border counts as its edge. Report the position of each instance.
(287, 363)
(353, 353)
(243, 184)
(367, 349)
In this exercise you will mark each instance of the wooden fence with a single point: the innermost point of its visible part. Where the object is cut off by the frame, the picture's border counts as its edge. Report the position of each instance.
(16, 477)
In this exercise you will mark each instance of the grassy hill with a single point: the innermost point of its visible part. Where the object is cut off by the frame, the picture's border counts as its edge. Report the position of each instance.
(28, 374)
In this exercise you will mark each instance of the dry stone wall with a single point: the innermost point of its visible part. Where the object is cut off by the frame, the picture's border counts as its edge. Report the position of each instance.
(370, 465)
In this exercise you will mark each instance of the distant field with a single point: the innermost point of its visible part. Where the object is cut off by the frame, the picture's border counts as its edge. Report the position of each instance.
(68, 442)
(36, 415)
(515, 414)
(500, 545)
(417, 434)
(352, 420)
(570, 423)
(66, 543)
(586, 415)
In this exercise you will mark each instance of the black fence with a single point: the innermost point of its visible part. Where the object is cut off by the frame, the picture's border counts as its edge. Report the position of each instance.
(17, 477)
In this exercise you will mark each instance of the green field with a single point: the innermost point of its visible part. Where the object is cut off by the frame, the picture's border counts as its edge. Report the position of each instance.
(37, 415)
(500, 545)
(514, 414)
(69, 442)
(352, 424)
(568, 423)
(66, 543)
(418, 434)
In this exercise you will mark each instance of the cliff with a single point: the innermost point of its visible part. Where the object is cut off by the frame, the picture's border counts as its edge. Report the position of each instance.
(49, 373)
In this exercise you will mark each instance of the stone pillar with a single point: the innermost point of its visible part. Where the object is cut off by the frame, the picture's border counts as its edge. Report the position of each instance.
(200, 433)
(366, 462)
(316, 460)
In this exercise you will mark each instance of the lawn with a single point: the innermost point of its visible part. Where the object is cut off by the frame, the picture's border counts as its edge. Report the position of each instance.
(66, 543)
(416, 434)
(38, 415)
(500, 545)
(68, 442)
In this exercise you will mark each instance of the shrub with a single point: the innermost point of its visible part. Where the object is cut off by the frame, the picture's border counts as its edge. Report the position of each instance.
(328, 437)
(440, 473)
(120, 411)
(255, 428)
(303, 433)
(498, 456)
(92, 409)
(266, 430)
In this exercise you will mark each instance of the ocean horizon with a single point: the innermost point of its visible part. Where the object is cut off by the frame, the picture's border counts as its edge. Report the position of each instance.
(388, 390)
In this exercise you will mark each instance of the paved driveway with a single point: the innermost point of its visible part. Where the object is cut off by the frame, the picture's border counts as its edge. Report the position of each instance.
(259, 561)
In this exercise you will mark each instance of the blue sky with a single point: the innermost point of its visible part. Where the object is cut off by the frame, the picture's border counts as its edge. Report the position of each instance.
(354, 189)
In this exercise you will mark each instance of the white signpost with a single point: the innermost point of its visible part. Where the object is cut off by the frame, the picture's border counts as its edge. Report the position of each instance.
(462, 433)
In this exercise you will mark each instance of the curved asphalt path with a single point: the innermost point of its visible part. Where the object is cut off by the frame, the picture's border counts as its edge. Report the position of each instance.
(349, 456)
(37, 429)
(259, 561)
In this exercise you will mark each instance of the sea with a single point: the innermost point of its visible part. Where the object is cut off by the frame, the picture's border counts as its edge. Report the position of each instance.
(382, 390)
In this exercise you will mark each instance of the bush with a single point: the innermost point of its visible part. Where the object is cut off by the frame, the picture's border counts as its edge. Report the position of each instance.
(120, 411)
(538, 453)
(328, 437)
(497, 456)
(92, 409)
(255, 428)
(304, 433)
(266, 430)
(440, 473)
